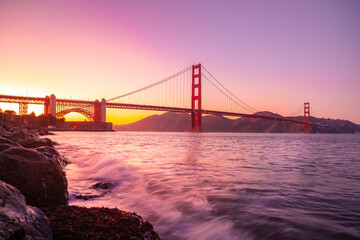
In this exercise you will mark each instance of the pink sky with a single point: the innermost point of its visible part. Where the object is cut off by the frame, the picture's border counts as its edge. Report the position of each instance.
(274, 55)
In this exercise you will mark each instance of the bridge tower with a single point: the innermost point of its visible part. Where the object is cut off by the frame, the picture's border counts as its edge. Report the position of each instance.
(100, 110)
(307, 127)
(47, 106)
(196, 99)
(97, 111)
(53, 105)
(103, 110)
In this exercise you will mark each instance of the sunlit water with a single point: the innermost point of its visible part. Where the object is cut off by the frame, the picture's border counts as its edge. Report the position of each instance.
(222, 186)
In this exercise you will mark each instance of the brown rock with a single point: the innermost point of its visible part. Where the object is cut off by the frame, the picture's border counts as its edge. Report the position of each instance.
(52, 153)
(39, 178)
(75, 222)
(35, 142)
(19, 221)
(8, 141)
(21, 133)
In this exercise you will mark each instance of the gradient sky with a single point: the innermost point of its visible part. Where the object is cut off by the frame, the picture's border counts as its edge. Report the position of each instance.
(274, 55)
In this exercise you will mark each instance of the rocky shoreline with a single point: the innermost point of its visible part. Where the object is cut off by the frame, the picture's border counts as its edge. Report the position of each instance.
(34, 196)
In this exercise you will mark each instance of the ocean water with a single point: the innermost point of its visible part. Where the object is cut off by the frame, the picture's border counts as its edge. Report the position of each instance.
(222, 185)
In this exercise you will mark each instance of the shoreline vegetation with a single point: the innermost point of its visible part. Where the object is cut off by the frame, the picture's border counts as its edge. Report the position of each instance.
(34, 195)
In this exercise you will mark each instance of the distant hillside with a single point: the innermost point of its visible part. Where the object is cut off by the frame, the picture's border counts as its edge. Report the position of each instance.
(174, 122)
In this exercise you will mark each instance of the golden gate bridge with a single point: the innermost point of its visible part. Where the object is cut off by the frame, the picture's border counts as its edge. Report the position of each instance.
(192, 90)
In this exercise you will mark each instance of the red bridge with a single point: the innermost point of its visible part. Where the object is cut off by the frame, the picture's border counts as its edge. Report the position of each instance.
(193, 90)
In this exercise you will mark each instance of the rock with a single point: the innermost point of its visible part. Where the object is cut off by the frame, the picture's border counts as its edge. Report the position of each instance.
(21, 133)
(50, 142)
(32, 142)
(41, 132)
(19, 221)
(75, 222)
(8, 141)
(87, 196)
(104, 185)
(52, 153)
(35, 142)
(4, 132)
(5, 126)
(39, 178)
(4, 146)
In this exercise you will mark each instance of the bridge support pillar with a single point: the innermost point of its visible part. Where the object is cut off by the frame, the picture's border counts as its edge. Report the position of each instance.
(307, 127)
(103, 110)
(47, 106)
(23, 108)
(196, 99)
(97, 111)
(53, 105)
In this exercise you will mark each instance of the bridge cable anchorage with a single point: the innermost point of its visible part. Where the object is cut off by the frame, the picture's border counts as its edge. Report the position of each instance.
(253, 109)
(226, 94)
(151, 85)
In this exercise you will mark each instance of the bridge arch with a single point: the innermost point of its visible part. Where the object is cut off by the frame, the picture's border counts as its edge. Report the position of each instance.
(88, 114)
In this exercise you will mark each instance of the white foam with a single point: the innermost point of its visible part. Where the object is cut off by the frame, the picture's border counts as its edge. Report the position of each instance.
(175, 213)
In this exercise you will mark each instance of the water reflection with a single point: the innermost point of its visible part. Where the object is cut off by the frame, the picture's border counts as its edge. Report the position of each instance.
(223, 186)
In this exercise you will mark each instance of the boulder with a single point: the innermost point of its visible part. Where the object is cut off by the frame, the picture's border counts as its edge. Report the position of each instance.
(39, 178)
(35, 142)
(21, 133)
(5, 126)
(4, 146)
(41, 132)
(51, 152)
(18, 220)
(104, 185)
(4, 132)
(8, 141)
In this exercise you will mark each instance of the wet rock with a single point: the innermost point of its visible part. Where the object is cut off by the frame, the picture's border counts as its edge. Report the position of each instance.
(5, 126)
(18, 220)
(87, 196)
(8, 141)
(4, 146)
(42, 132)
(35, 142)
(50, 142)
(52, 153)
(39, 178)
(104, 185)
(4, 132)
(32, 142)
(20, 134)
(74, 222)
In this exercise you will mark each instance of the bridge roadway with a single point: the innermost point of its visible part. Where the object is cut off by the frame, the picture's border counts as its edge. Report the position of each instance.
(39, 100)
(210, 112)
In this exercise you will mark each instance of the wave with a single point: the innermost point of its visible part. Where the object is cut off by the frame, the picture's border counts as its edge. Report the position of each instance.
(175, 212)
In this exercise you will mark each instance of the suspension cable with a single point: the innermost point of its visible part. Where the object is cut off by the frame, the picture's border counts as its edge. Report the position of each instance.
(253, 109)
(313, 112)
(151, 85)
(296, 111)
(225, 93)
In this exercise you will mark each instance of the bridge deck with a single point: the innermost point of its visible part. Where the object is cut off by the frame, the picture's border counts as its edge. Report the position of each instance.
(39, 100)
(189, 110)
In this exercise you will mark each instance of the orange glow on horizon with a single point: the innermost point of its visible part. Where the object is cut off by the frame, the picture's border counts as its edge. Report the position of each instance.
(116, 116)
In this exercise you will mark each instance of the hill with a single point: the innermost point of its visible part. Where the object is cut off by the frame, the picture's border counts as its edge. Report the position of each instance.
(174, 122)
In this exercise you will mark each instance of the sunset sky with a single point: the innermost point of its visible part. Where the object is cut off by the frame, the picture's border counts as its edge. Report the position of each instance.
(274, 55)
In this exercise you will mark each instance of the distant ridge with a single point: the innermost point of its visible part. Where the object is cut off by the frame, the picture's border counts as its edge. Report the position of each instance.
(174, 122)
